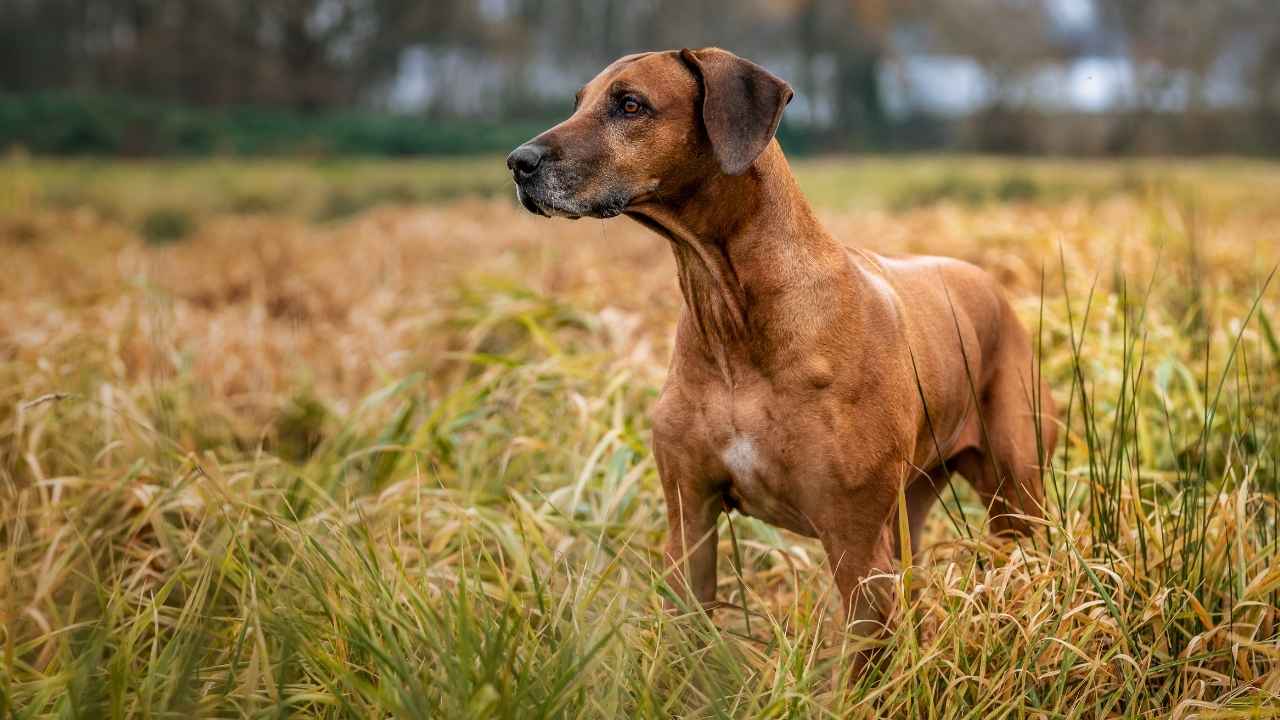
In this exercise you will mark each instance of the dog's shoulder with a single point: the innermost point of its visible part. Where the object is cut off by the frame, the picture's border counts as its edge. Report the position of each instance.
(914, 275)
(963, 282)
(935, 268)
(931, 289)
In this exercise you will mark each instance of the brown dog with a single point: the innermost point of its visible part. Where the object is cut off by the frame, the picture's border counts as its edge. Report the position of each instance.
(811, 384)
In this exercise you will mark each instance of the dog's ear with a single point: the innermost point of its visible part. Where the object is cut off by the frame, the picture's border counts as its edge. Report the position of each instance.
(742, 104)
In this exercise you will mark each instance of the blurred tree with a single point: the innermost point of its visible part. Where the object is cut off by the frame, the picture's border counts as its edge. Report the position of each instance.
(1197, 56)
(40, 43)
(854, 37)
(1009, 59)
(303, 54)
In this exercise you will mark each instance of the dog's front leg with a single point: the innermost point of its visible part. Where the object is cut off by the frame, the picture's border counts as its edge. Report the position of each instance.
(692, 513)
(691, 545)
(859, 546)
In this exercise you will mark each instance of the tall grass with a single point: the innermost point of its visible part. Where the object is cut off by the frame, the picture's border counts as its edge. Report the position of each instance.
(398, 466)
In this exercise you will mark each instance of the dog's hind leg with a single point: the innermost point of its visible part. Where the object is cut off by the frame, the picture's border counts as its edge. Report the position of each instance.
(1007, 470)
(922, 495)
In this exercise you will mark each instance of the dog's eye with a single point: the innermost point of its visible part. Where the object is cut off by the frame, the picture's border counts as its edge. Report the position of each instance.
(630, 106)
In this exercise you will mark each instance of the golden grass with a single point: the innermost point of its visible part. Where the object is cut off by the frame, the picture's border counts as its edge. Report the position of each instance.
(396, 464)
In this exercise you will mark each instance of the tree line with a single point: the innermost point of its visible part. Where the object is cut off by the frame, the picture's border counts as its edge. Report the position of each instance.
(1199, 75)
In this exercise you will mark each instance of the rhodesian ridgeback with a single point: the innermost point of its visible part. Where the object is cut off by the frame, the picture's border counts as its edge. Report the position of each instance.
(813, 386)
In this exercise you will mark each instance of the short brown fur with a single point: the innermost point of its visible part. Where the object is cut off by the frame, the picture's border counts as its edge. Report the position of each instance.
(811, 384)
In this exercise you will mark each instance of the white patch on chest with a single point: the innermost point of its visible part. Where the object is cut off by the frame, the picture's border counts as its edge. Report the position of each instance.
(741, 458)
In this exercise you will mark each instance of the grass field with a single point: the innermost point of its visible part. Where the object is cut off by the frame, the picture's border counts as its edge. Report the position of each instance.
(364, 440)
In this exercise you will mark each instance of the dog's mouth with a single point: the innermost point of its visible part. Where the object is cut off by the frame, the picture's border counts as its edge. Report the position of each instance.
(529, 203)
(539, 202)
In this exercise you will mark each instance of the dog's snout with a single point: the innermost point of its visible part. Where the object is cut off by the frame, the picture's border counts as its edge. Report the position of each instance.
(524, 160)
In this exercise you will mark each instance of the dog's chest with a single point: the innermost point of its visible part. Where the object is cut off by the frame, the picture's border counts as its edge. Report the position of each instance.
(761, 486)
(763, 479)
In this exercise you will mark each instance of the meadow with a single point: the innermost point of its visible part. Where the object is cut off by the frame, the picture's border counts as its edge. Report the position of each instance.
(363, 439)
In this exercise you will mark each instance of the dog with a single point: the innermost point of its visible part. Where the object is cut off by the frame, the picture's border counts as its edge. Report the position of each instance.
(815, 387)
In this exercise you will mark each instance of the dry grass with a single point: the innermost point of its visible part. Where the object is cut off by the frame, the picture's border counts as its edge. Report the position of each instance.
(397, 464)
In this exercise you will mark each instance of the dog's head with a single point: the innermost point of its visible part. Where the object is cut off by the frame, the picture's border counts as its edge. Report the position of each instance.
(648, 126)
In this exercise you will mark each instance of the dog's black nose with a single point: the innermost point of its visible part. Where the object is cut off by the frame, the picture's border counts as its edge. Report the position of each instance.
(524, 160)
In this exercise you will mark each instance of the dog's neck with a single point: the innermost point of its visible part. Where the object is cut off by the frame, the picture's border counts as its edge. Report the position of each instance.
(749, 253)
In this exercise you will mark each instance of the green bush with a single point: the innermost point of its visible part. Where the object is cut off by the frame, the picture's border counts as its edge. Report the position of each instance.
(959, 189)
(67, 124)
(166, 225)
(971, 190)
(1018, 188)
(300, 427)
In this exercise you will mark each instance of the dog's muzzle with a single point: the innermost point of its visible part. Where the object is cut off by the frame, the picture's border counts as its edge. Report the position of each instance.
(524, 163)
(548, 187)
